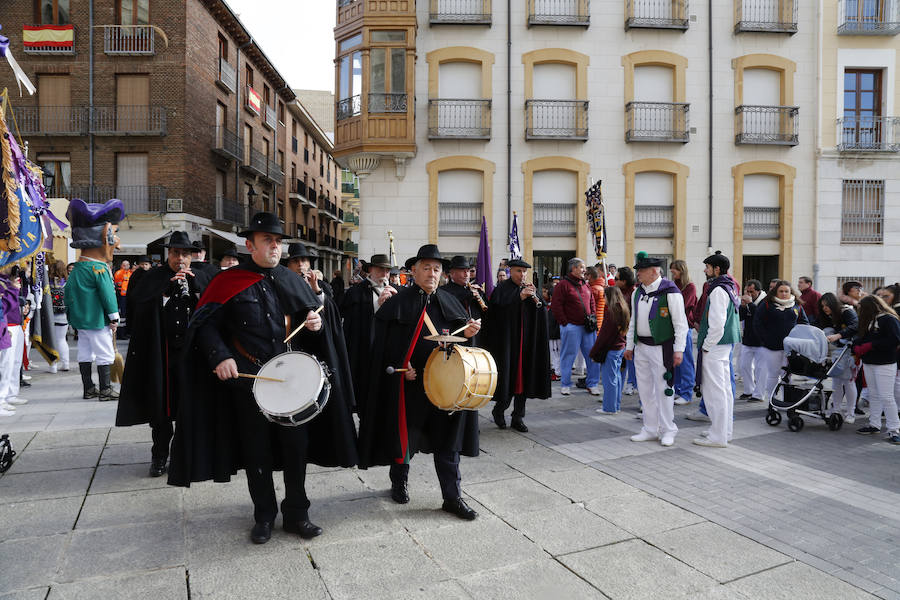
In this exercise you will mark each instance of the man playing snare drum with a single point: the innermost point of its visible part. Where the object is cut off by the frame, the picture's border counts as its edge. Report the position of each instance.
(396, 418)
(241, 322)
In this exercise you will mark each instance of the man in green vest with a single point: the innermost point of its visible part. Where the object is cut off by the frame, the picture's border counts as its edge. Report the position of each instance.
(719, 331)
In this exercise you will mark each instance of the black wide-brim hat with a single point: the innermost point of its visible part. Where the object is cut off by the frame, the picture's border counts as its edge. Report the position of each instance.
(299, 250)
(460, 262)
(142, 258)
(231, 252)
(263, 222)
(378, 260)
(180, 239)
(428, 252)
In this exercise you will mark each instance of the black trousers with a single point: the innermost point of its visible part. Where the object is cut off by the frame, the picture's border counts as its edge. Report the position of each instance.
(501, 404)
(162, 438)
(258, 437)
(446, 465)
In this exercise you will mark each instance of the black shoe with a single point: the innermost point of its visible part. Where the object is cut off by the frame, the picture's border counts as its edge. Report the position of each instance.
(93, 392)
(304, 529)
(868, 430)
(581, 383)
(24, 383)
(158, 467)
(261, 532)
(458, 507)
(754, 399)
(519, 425)
(400, 493)
(745, 397)
(858, 411)
(500, 420)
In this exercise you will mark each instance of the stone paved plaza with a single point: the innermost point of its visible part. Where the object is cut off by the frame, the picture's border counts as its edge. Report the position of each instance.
(572, 509)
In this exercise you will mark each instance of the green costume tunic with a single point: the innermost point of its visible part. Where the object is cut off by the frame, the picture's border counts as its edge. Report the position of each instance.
(90, 295)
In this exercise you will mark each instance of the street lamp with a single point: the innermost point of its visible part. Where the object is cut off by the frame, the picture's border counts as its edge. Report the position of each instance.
(251, 196)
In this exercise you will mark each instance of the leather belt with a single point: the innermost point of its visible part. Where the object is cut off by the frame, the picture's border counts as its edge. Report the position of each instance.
(648, 340)
(243, 352)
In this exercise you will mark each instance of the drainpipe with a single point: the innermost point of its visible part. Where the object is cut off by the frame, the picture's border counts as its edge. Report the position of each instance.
(508, 115)
(90, 99)
(709, 26)
(237, 118)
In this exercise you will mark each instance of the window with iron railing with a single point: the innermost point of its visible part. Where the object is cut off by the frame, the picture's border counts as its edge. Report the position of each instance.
(460, 12)
(762, 222)
(556, 119)
(862, 211)
(559, 12)
(349, 85)
(656, 14)
(459, 119)
(765, 16)
(653, 221)
(387, 80)
(554, 219)
(657, 122)
(868, 17)
(776, 125)
(459, 218)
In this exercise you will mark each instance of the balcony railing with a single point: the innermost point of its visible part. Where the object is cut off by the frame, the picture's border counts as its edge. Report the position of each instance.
(271, 118)
(51, 120)
(348, 107)
(765, 16)
(653, 221)
(775, 125)
(129, 120)
(657, 122)
(762, 223)
(274, 172)
(460, 12)
(656, 14)
(868, 17)
(227, 143)
(559, 12)
(230, 211)
(459, 119)
(351, 218)
(298, 191)
(136, 198)
(255, 162)
(134, 40)
(459, 218)
(554, 220)
(50, 42)
(351, 247)
(387, 103)
(556, 119)
(868, 134)
(328, 209)
(227, 77)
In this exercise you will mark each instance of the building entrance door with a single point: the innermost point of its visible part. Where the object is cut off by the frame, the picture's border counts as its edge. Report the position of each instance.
(763, 268)
(549, 264)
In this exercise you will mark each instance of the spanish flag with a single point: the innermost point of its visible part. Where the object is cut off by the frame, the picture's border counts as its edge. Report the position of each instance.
(52, 36)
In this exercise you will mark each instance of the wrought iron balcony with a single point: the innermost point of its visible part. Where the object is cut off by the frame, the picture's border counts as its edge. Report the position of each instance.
(762, 223)
(868, 134)
(51, 120)
(459, 119)
(271, 118)
(556, 120)
(230, 211)
(460, 12)
(774, 125)
(765, 16)
(554, 220)
(559, 12)
(387, 103)
(653, 221)
(255, 162)
(129, 40)
(297, 191)
(459, 218)
(351, 218)
(227, 79)
(656, 14)
(136, 198)
(657, 122)
(351, 247)
(128, 120)
(348, 107)
(274, 173)
(868, 17)
(227, 143)
(54, 39)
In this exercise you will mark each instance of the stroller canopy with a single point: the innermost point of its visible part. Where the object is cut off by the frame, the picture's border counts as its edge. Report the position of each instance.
(807, 341)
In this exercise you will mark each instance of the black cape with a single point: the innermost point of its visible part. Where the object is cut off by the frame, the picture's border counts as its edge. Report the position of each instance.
(507, 316)
(207, 434)
(428, 429)
(145, 396)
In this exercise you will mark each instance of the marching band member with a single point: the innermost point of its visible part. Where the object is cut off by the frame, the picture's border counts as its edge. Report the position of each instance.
(396, 418)
(242, 321)
(470, 296)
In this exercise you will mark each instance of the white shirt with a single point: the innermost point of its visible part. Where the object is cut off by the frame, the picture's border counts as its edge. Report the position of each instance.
(377, 288)
(640, 318)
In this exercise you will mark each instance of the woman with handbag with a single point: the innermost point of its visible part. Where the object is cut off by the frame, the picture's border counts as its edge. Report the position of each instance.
(573, 308)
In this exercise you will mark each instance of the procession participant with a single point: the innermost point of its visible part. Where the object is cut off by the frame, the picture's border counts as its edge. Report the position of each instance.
(470, 296)
(300, 261)
(396, 418)
(361, 301)
(57, 276)
(203, 271)
(337, 285)
(685, 373)
(242, 321)
(750, 362)
(90, 295)
(394, 278)
(229, 259)
(719, 330)
(161, 302)
(773, 321)
(655, 342)
(516, 334)
(12, 340)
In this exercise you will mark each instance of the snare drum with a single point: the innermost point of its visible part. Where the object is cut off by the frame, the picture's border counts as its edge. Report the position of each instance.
(300, 397)
(460, 378)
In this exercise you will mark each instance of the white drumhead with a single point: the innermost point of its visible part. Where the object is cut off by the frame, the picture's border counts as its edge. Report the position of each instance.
(303, 380)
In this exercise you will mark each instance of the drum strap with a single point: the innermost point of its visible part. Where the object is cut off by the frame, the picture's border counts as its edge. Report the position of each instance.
(404, 434)
(243, 352)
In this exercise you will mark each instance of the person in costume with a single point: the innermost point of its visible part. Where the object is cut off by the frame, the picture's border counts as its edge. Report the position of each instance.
(300, 260)
(241, 321)
(396, 418)
(229, 259)
(161, 304)
(720, 330)
(656, 339)
(90, 295)
(517, 336)
(361, 302)
(12, 340)
(472, 298)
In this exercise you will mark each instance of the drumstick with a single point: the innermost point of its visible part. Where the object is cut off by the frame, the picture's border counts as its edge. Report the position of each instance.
(392, 370)
(464, 327)
(249, 376)
(302, 325)
(430, 325)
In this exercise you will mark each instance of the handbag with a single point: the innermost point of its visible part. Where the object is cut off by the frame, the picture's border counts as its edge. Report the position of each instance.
(590, 320)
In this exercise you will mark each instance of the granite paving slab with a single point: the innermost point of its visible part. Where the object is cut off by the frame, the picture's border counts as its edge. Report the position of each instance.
(286, 575)
(641, 513)
(543, 579)
(45, 485)
(21, 570)
(124, 508)
(515, 496)
(37, 593)
(160, 584)
(209, 497)
(130, 435)
(126, 454)
(56, 459)
(125, 478)
(566, 529)
(796, 581)
(33, 518)
(582, 484)
(66, 439)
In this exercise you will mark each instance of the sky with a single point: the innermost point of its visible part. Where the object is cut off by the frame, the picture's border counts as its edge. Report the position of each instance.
(296, 35)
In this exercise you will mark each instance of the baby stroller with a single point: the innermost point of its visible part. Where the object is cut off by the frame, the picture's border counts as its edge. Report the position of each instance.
(808, 358)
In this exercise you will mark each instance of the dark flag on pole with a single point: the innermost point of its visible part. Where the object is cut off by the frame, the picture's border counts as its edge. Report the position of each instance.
(483, 274)
(596, 218)
(515, 250)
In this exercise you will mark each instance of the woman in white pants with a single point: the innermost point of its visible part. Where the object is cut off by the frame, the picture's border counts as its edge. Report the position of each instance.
(773, 320)
(60, 320)
(840, 325)
(879, 336)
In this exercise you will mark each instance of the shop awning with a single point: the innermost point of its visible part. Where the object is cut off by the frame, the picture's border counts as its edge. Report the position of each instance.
(134, 241)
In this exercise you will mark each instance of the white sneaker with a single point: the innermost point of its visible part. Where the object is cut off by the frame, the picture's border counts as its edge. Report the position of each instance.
(643, 436)
(53, 368)
(565, 391)
(17, 401)
(7, 406)
(629, 390)
(595, 391)
(704, 433)
(698, 416)
(26, 377)
(702, 441)
(679, 401)
(667, 440)
(850, 420)
(7, 413)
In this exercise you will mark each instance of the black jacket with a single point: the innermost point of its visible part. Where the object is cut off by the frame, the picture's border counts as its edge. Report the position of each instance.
(881, 341)
(774, 325)
(750, 337)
